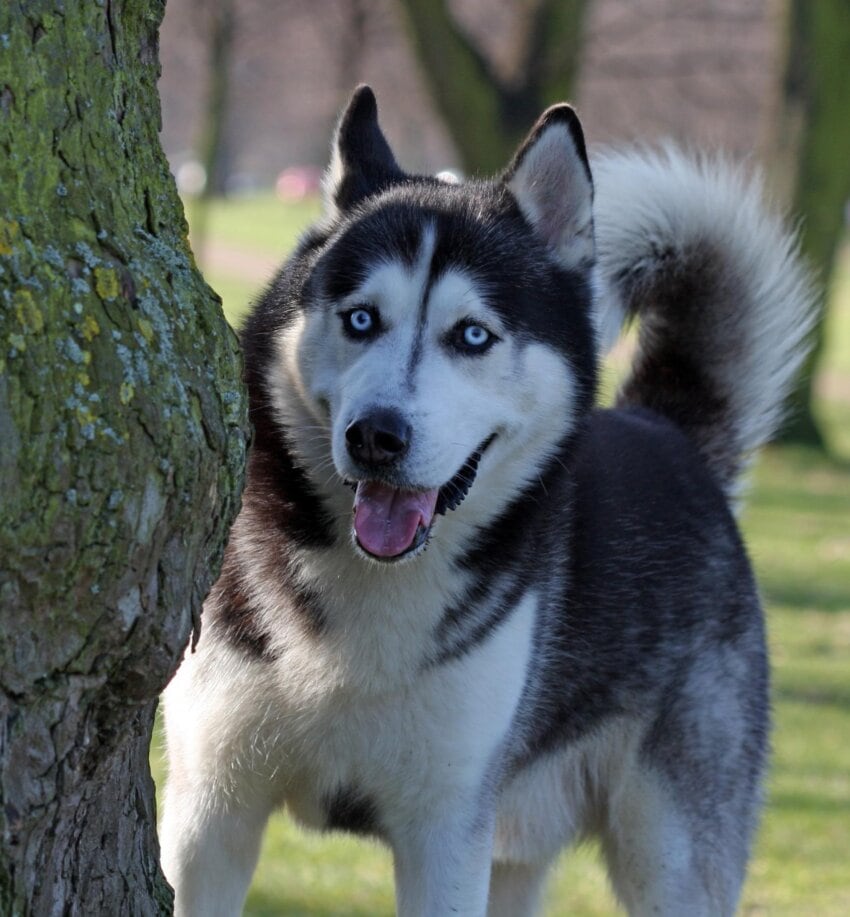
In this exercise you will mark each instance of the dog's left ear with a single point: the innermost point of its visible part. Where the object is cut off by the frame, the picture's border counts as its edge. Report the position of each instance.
(362, 162)
(551, 181)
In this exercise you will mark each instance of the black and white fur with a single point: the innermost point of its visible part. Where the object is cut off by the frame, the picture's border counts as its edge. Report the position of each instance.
(576, 648)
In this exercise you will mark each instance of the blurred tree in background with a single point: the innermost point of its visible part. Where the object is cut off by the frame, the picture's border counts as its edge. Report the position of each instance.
(218, 17)
(487, 111)
(488, 114)
(706, 72)
(813, 150)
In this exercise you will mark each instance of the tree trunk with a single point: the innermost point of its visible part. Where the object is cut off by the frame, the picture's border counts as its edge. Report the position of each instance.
(486, 114)
(814, 128)
(122, 443)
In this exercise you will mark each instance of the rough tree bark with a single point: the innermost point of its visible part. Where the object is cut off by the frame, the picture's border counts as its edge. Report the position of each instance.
(122, 443)
(487, 114)
(813, 147)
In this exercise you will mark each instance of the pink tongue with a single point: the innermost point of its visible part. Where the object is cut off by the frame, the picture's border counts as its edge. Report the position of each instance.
(386, 519)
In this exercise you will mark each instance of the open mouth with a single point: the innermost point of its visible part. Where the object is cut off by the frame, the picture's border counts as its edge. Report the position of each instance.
(391, 523)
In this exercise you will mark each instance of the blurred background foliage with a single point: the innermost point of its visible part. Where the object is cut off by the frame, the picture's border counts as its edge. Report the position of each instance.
(251, 88)
(250, 92)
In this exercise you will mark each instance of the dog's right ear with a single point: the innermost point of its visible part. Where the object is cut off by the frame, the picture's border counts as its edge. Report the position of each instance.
(362, 162)
(551, 181)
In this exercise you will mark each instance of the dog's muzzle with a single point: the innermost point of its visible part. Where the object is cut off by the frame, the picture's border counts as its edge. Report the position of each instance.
(393, 522)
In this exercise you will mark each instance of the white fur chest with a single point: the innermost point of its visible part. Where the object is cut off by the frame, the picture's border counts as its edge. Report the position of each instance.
(379, 622)
(434, 737)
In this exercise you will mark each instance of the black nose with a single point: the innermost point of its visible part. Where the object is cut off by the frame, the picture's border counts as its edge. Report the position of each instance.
(380, 437)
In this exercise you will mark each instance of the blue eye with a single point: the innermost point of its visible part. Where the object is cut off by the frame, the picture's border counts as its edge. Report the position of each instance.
(475, 336)
(471, 338)
(361, 322)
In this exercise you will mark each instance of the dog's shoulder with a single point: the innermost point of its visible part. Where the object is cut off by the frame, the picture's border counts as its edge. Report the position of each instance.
(638, 465)
(648, 515)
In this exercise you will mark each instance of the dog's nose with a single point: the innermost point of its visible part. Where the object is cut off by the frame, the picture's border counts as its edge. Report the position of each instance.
(379, 438)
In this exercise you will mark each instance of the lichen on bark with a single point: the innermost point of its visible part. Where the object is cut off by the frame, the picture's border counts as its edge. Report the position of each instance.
(122, 443)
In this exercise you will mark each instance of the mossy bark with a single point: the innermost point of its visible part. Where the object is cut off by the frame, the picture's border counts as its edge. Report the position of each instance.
(122, 444)
(815, 138)
(487, 114)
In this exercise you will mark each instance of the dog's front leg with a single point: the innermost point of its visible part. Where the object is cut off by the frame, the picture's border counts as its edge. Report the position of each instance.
(442, 864)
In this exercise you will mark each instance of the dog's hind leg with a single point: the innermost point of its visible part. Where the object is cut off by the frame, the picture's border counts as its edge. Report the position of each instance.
(516, 889)
(662, 861)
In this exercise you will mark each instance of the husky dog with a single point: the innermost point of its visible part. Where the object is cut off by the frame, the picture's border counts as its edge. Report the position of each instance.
(462, 610)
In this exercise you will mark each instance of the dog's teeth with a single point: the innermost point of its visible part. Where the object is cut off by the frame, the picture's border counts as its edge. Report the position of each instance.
(454, 493)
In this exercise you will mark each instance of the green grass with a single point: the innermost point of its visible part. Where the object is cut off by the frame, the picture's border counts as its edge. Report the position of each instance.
(797, 524)
(255, 221)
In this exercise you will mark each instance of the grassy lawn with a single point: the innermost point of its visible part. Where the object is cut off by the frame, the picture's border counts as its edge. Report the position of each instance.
(797, 524)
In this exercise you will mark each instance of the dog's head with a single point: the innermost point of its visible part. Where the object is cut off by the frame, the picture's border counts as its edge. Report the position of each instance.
(434, 341)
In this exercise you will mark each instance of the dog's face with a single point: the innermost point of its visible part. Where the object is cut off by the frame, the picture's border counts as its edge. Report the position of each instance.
(442, 345)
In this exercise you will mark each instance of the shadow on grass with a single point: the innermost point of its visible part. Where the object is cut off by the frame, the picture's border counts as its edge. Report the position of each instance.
(815, 695)
(808, 802)
(263, 905)
(805, 596)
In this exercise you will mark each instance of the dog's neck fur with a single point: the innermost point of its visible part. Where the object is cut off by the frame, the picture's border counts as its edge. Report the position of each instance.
(378, 626)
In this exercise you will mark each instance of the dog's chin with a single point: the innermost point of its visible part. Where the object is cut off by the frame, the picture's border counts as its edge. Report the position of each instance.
(416, 548)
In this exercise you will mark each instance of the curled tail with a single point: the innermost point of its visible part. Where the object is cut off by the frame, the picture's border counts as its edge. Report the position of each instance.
(724, 300)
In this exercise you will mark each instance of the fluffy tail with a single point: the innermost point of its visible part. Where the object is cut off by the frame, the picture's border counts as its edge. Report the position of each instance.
(724, 300)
